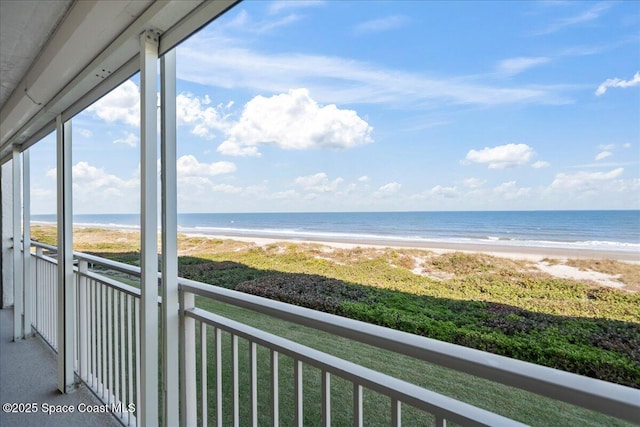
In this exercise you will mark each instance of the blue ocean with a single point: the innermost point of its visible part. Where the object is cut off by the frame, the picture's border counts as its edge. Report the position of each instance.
(599, 230)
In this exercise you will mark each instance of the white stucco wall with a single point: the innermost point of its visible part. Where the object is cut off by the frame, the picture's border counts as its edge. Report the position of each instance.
(7, 228)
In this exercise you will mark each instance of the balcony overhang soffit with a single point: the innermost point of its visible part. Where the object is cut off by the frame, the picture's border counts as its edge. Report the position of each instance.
(93, 49)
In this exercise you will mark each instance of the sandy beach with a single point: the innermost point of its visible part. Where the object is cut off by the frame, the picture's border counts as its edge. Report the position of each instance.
(531, 253)
(539, 256)
(549, 260)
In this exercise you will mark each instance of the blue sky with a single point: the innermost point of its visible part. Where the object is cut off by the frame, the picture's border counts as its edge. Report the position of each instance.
(376, 106)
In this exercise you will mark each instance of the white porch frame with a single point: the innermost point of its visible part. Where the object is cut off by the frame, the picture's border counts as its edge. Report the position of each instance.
(18, 301)
(169, 208)
(148, 400)
(26, 243)
(66, 288)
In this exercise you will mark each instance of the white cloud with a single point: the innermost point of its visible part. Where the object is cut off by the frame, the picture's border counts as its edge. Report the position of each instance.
(603, 155)
(335, 79)
(388, 189)
(474, 182)
(86, 133)
(606, 147)
(130, 139)
(584, 181)
(96, 190)
(446, 192)
(195, 111)
(627, 145)
(510, 190)
(319, 182)
(592, 14)
(284, 195)
(294, 121)
(91, 177)
(381, 24)
(225, 188)
(364, 178)
(502, 156)
(120, 105)
(280, 5)
(188, 165)
(540, 164)
(635, 81)
(243, 22)
(513, 66)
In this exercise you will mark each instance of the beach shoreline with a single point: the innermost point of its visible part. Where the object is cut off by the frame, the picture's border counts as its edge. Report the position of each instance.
(512, 251)
(532, 253)
(567, 263)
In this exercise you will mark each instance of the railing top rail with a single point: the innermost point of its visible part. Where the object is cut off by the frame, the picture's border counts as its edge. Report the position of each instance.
(432, 402)
(608, 398)
(114, 265)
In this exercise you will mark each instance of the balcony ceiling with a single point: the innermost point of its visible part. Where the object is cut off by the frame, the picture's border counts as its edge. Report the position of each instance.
(58, 56)
(25, 26)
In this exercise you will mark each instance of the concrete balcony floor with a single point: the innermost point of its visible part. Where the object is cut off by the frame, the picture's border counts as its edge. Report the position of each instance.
(28, 372)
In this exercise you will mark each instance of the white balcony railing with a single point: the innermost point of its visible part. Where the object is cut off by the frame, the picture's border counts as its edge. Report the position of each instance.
(212, 383)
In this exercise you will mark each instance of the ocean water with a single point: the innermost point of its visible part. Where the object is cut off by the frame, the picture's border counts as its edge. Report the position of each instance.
(600, 230)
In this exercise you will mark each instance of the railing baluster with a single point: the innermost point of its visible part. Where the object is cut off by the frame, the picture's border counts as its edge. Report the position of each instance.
(357, 405)
(99, 351)
(116, 346)
(219, 377)
(130, 373)
(275, 390)
(253, 366)
(236, 389)
(109, 345)
(103, 327)
(53, 330)
(299, 393)
(441, 421)
(203, 371)
(136, 303)
(123, 350)
(83, 318)
(77, 339)
(396, 412)
(326, 399)
(92, 333)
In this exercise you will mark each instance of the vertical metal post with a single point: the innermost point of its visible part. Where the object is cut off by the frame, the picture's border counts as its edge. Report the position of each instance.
(26, 245)
(148, 398)
(66, 289)
(18, 296)
(169, 207)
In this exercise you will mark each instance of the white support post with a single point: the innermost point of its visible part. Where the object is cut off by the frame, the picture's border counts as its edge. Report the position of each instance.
(18, 295)
(170, 307)
(66, 288)
(148, 398)
(26, 252)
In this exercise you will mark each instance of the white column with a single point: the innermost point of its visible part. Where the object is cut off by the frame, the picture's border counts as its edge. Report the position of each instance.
(148, 399)
(66, 288)
(170, 307)
(6, 208)
(26, 232)
(18, 301)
